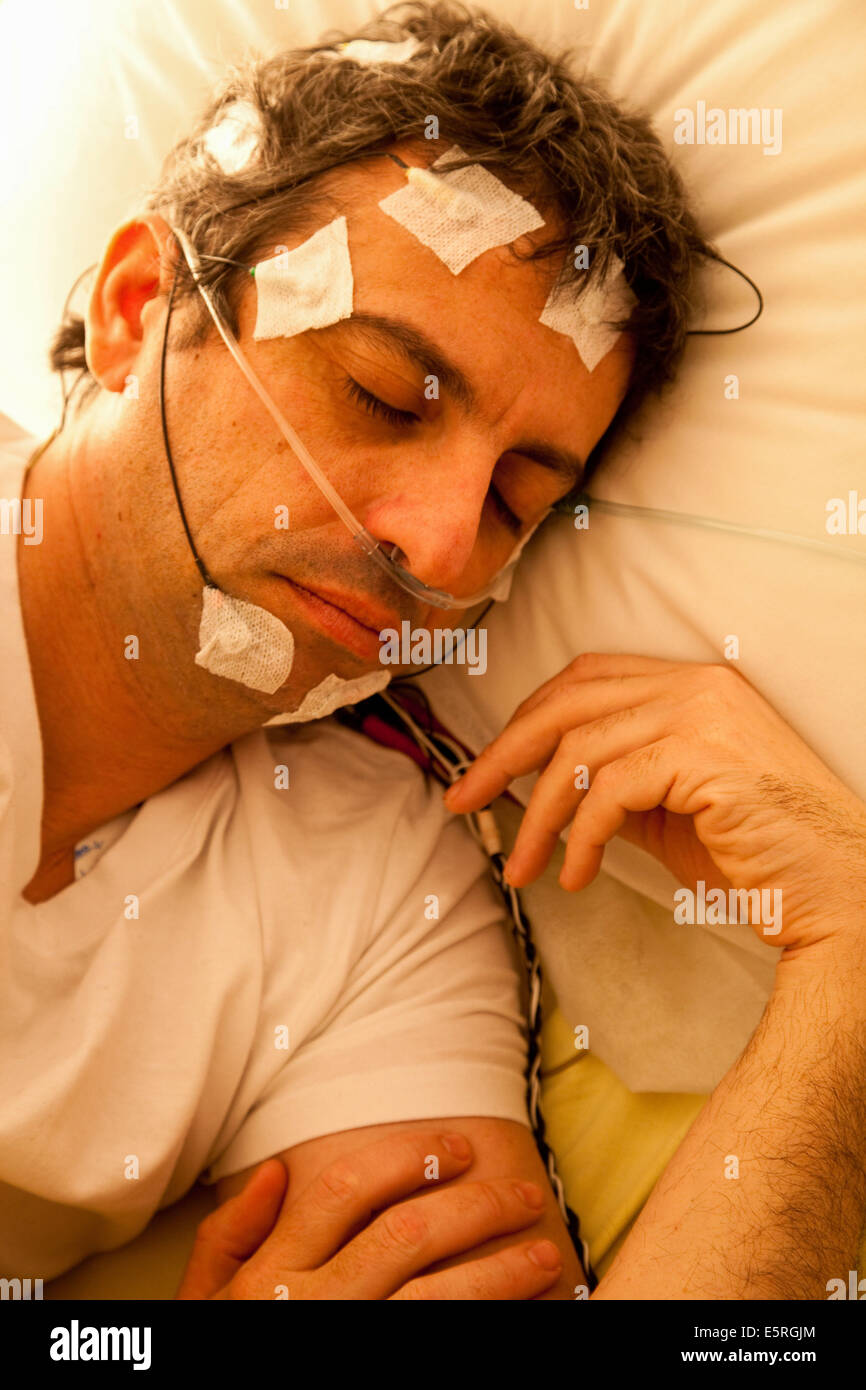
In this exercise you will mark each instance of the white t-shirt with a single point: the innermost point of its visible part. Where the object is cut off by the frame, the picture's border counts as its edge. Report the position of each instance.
(240, 969)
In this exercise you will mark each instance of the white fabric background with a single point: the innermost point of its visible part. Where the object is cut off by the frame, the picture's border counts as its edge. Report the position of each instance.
(666, 1011)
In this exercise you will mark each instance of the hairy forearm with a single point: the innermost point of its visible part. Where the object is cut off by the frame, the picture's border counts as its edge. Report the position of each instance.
(766, 1196)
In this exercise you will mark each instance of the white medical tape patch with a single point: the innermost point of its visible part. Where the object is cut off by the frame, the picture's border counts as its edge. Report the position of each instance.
(485, 213)
(243, 642)
(332, 693)
(369, 51)
(501, 588)
(309, 287)
(234, 139)
(587, 320)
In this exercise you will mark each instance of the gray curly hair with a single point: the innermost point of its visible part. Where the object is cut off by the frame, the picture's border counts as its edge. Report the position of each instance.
(558, 140)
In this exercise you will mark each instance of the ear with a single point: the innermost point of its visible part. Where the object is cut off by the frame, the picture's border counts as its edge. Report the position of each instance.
(137, 264)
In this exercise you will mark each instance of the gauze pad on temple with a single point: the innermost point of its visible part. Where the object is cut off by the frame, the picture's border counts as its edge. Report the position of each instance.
(459, 229)
(369, 51)
(587, 320)
(234, 139)
(309, 287)
(332, 693)
(243, 642)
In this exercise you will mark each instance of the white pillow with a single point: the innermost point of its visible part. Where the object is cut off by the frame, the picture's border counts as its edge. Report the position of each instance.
(94, 96)
(670, 1007)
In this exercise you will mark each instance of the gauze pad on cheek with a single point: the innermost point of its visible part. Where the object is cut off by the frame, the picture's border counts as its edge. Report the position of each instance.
(243, 642)
(587, 320)
(332, 693)
(309, 287)
(459, 229)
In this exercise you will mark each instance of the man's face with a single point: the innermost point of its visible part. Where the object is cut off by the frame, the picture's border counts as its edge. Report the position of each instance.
(438, 477)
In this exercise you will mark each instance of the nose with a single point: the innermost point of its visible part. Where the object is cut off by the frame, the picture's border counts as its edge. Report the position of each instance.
(437, 558)
(432, 522)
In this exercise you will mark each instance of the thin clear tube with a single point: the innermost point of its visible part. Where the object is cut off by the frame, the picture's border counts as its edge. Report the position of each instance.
(438, 598)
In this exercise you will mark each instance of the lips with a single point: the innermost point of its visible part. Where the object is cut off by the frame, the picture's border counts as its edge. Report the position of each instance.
(368, 615)
(344, 618)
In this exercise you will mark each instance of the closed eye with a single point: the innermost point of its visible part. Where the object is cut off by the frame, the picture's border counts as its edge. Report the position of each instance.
(374, 406)
(503, 511)
(401, 418)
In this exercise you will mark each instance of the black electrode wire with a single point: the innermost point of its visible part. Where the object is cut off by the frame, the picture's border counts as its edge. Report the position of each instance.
(202, 569)
(447, 759)
(709, 255)
(714, 332)
(296, 183)
(434, 666)
(251, 269)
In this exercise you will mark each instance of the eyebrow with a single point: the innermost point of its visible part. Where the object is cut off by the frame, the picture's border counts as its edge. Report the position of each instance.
(421, 351)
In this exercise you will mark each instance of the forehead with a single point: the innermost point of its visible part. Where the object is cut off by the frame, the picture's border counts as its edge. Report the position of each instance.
(487, 317)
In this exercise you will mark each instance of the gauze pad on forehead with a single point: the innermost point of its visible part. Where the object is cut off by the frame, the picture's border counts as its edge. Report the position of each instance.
(587, 320)
(243, 642)
(309, 287)
(332, 693)
(459, 229)
(369, 51)
(234, 139)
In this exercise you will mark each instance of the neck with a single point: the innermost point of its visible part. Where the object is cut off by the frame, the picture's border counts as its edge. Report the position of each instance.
(116, 727)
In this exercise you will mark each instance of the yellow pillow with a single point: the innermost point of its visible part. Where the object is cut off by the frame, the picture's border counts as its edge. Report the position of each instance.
(611, 1145)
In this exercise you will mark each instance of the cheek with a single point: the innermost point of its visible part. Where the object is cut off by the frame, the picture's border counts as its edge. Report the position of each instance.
(248, 476)
(304, 384)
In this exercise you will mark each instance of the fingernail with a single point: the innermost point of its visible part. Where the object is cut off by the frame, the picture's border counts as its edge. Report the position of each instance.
(453, 794)
(545, 1254)
(456, 1145)
(530, 1193)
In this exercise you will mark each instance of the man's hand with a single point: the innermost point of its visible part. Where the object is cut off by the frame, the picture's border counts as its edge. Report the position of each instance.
(350, 1234)
(690, 763)
(766, 1196)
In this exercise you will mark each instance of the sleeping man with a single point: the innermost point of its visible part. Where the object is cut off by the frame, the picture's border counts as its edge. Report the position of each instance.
(218, 947)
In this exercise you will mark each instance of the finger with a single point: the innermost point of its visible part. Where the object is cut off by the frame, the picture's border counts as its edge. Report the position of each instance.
(514, 1273)
(528, 741)
(596, 666)
(406, 1238)
(344, 1196)
(233, 1232)
(670, 837)
(565, 781)
(639, 782)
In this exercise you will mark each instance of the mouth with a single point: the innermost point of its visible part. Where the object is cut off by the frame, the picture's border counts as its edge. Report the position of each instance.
(345, 618)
